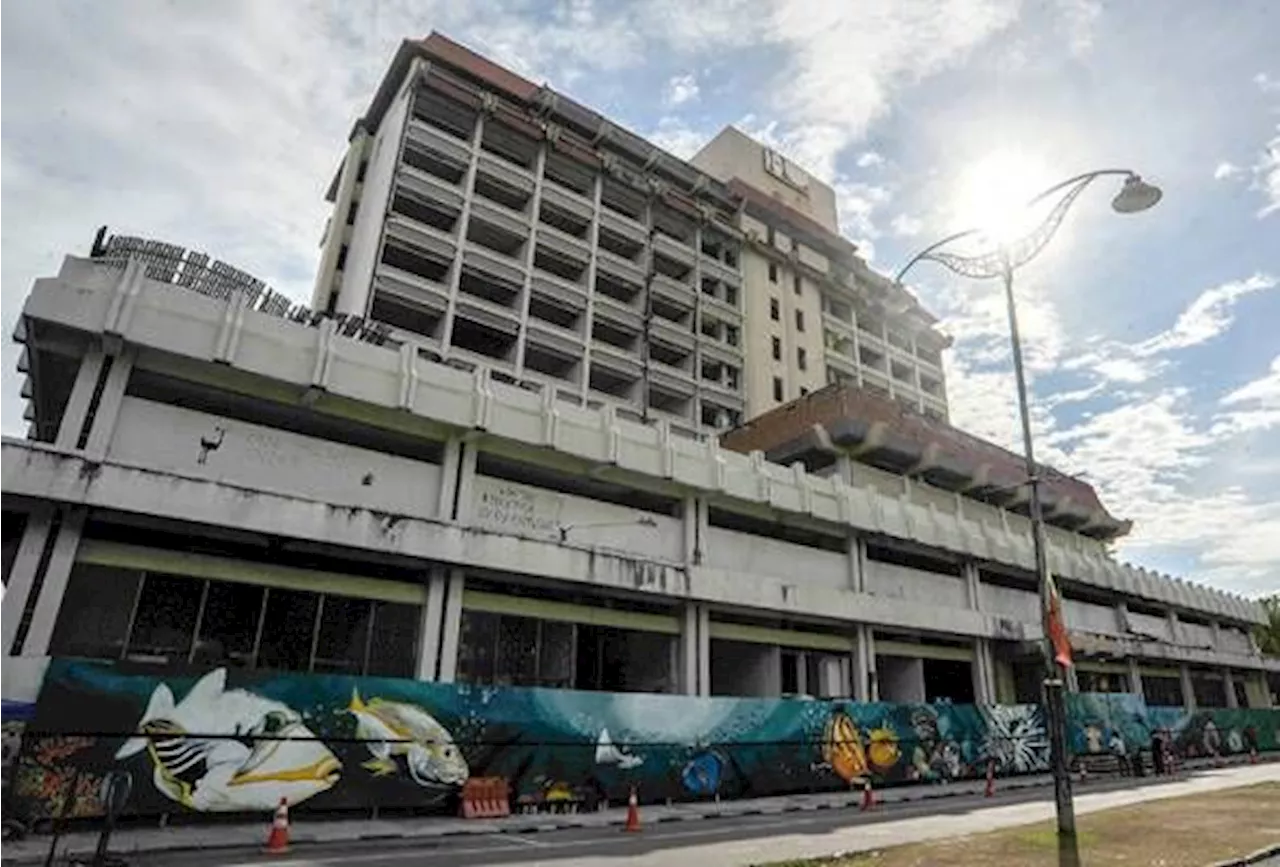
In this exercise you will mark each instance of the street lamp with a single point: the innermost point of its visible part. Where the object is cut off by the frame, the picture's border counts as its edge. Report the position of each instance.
(1001, 260)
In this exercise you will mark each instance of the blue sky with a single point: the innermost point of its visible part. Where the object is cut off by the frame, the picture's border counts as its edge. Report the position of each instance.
(1154, 340)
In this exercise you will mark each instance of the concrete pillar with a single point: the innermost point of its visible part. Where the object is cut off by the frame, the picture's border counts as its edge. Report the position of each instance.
(695, 650)
(1188, 690)
(1122, 618)
(466, 480)
(22, 575)
(1215, 629)
(449, 463)
(103, 423)
(451, 624)
(464, 218)
(1229, 685)
(984, 678)
(1175, 634)
(857, 554)
(54, 585)
(432, 628)
(973, 586)
(530, 247)
(865, 686)
(692, 532)
(81, 397)
(1135, 679)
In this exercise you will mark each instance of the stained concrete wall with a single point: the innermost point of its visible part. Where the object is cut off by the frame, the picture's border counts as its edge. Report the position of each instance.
(748, 553)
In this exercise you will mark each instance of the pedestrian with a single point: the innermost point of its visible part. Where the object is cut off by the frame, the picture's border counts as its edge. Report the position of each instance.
(1157, 753)
(1117, 748)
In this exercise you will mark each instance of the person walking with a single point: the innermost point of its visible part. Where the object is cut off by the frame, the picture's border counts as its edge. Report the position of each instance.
(1117, 747)
(1157, 753)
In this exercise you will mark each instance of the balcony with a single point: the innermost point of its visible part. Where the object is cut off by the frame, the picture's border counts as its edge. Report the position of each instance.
(487, 313)
(439, 142)
(494, 265)
(673, 290)
(504, 172)
(507, 221)
(421, 236)
(622, 363)
(429, 187)
(564, 245)
(673, 249)
(566, 200)
(623, 270)
(632, 230)
(553, 338)
(618, 313)
(431, 294)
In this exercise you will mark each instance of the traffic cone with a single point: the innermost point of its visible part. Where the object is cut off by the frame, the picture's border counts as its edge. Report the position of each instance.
(868, 796)
(278, 839)
(991, 780)
(633, 814)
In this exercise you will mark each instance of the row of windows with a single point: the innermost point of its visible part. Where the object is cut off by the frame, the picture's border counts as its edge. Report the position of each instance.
(775, 313)
(111, 613)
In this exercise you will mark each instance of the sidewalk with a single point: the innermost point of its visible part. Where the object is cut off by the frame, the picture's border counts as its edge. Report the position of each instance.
(305, 830)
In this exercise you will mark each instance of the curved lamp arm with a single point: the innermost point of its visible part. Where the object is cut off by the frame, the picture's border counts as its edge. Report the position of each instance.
(1005, 256)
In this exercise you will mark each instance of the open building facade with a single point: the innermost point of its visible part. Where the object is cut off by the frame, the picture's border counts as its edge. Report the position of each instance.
(488, 454)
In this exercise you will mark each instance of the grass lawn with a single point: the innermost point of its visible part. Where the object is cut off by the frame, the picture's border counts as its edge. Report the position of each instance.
(1192, 831)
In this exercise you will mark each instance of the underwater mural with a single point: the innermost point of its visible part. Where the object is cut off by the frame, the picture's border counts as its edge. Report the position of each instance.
(235, 740)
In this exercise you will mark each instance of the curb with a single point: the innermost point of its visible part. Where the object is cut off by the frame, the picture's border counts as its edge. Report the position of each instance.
(1265, 852)
(545, 823)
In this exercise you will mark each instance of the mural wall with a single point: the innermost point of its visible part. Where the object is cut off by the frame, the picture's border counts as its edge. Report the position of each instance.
(233, 740)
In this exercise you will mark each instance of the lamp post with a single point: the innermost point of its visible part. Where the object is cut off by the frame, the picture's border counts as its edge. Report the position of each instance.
(1001, 260)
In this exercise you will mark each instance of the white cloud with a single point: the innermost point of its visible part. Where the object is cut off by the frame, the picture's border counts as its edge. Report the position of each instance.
(681, 89)
(673, 135)
(1207, 317)
(1266, 176)
(1263, 391)
(906, 226)
(1225, 171)
(1266, 83)
(869, 159)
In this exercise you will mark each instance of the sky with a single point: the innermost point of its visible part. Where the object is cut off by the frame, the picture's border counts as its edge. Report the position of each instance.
(1153, 340)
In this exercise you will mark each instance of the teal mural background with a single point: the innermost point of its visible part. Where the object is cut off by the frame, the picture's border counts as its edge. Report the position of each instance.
(234, 741)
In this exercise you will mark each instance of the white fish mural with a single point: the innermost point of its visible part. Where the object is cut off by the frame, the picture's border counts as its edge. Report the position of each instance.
(395, 729)
(608, 754)
(240, 772)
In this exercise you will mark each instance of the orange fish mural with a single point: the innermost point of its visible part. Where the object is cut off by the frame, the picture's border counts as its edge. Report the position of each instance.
(882, 748)
(842, 748)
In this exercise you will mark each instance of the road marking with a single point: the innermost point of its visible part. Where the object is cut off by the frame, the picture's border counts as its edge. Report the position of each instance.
(519, 838)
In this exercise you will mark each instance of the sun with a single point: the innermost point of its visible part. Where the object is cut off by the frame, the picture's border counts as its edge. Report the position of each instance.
(992, 194)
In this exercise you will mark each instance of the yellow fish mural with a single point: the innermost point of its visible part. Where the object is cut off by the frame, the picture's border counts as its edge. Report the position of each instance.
(842, 748)
(394, 729)
(883, 748)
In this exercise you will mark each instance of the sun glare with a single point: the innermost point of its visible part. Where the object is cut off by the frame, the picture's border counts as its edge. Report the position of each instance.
(992, 194)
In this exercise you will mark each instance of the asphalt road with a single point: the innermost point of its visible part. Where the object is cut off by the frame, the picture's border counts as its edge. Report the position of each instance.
(610, 842)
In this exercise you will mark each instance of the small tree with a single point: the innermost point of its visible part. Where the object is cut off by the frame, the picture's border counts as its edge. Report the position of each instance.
(1268, 634)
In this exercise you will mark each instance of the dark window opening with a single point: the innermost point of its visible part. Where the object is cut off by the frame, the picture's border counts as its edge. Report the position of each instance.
(776, 530)
(619, 245)
(503, 194)
(670, 355)
(670, 267)
(435, 165)
(777, 389)
(565, 221)
(607, 382)
(93, 620)
(424, 211)
(561, 266)
(773, 273)
(568, 174)
(351, 212)
(616, 289)
(407, 317)
(775, 312)
(481, 285)
(720, 417)
(622, 199)
(799, 320)
(486, 234)
(948, 680)
(802, 359)
(361, 171)
(342, 258)
(164, 620)
(475, 337)
(425, 266)
(777, 351)
(664, 401)
(229, 625)
(606, 333)
(556, 314)
(797, 284)
(549, 363)
(509, 143)
(439, 111)
(664, 309)
(912, 560)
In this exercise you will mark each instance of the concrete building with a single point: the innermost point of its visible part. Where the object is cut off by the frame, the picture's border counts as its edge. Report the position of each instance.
(814, 312)
(496, 222)
(214, 478)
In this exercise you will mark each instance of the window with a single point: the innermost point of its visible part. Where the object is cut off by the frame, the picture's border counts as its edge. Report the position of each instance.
(110, 613)
(769, 234)
(777, 389)
(165, 620)
(93, 620)
(342, 258)
(799, 320)
(797, 284)
(775, 312)
(802, 360)
(773, 273)
(362, 170)
(804, 392)
(516, 651)
(777, 349)
(290, 620)
(229, 625)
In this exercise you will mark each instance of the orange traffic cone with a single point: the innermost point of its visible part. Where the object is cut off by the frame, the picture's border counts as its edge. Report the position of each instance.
(991, 779)
(633, 814)
(278, 839)
(868, 796)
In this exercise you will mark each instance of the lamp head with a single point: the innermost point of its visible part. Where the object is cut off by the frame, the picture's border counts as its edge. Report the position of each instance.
(1136, 195)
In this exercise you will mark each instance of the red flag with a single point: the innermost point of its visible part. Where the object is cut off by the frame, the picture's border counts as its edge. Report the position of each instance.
(1055, 626)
